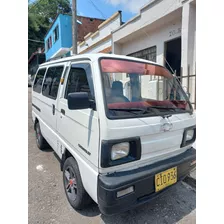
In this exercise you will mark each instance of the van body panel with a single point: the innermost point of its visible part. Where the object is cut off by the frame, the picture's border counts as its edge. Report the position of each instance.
(81, 133)
(156, 144)
(88, 172)
(49, 120)
(46, 130)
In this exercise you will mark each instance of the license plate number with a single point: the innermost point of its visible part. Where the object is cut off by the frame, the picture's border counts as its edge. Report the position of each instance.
(165, 178)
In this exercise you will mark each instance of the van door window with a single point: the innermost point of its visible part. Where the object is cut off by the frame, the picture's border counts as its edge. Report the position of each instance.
(51, 81)
(39, 80)
(80, 80)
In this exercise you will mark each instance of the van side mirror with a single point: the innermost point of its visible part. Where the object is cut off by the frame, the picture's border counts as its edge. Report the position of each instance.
(78, 101)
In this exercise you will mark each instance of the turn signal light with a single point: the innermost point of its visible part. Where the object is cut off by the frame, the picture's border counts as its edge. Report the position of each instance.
(125, 191)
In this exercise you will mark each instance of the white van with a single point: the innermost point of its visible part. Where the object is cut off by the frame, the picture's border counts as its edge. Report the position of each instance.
(121, 151)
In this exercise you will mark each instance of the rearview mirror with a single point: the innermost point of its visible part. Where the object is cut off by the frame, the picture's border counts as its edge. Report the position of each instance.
(78, 101)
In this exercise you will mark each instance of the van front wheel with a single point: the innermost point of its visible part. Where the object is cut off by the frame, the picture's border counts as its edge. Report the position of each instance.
(74, 190)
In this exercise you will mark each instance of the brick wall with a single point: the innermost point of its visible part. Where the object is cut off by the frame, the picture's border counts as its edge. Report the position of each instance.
(88, 25)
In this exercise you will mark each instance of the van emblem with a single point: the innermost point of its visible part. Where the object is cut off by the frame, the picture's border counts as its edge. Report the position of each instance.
(166, 126)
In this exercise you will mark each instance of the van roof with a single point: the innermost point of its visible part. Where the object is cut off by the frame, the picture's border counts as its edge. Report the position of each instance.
(94, 57)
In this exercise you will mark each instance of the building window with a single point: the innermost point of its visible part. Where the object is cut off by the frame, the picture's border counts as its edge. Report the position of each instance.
(49, 43)
(56, 34)
(148, 54)
(46, 46)
(52, 81)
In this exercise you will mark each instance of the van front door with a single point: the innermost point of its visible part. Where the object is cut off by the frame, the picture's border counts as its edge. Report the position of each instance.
(49, 102)
(79, 128)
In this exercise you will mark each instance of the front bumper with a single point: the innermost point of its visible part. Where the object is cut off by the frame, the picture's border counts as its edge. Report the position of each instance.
(142, 179)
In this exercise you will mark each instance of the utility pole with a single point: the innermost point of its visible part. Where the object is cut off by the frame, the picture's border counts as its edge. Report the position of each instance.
(74, 27)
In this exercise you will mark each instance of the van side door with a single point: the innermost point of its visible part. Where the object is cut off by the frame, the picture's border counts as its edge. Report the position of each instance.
(79, 128)
(49, 101)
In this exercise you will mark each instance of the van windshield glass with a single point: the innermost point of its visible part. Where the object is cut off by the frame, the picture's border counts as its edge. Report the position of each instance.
(141, 89)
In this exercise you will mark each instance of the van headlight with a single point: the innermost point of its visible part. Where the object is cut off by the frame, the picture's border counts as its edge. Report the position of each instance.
(115, 152)
(120, 150)
(189, 136)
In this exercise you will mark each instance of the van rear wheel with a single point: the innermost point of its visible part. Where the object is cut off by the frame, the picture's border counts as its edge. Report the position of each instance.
(74, 190)
(40, 140)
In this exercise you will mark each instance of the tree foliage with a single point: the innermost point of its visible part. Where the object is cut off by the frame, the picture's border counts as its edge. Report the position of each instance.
(41, 14)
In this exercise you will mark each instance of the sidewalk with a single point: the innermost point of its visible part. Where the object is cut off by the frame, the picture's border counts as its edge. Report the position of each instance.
(189, 219)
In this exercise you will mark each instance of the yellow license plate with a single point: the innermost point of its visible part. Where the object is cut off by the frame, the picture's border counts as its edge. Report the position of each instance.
(165, 178)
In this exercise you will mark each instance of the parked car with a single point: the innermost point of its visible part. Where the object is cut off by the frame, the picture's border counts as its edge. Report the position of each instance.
(121, 151)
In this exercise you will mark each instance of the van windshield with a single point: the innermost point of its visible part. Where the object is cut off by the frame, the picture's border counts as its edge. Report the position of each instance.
(135, 89)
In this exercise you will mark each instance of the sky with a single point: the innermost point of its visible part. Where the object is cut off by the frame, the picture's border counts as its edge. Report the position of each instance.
(106, 8)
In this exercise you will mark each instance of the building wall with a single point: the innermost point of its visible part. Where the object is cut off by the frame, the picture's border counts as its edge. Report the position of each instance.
(101, 39)
(188, 55)
(106, 50)
(156, 37)
(148, 15)
(88, 25)
(156, 23)
(66, 31)
(58, 43)
(99, 47)
(188, 37)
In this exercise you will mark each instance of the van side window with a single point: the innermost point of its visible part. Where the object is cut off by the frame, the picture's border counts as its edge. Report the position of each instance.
(39, 80)
(80, 80)
(52, 81)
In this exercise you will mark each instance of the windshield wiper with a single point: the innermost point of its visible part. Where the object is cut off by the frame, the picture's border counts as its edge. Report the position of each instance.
(128, 109)
(142, 110)
(163, 107)
(167, 108)
(175, 109)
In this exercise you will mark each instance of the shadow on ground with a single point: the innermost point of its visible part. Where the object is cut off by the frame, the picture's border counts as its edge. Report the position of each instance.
(168, 208)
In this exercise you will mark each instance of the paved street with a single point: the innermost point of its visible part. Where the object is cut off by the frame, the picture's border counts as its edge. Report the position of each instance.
(48, 203)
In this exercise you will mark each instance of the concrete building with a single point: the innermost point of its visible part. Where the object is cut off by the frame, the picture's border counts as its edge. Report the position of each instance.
(58, 39)
(101, 39)
(163, 31)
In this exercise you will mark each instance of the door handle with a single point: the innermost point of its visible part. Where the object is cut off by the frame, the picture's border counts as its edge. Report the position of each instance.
(63, 111)
(53, 109)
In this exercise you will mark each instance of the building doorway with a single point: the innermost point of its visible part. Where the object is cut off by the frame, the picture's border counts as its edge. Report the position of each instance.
(173, 55)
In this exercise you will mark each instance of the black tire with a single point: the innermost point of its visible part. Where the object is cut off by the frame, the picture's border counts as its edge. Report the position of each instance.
(40, 140)
(77, 197)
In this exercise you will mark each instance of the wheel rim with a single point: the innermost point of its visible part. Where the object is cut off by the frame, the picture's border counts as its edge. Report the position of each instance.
(70, 183)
